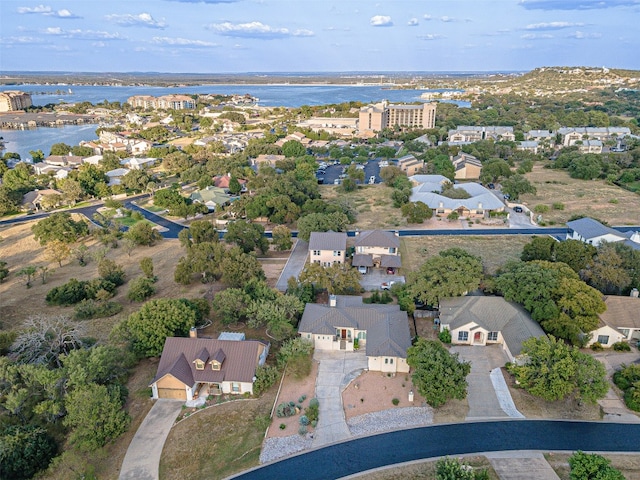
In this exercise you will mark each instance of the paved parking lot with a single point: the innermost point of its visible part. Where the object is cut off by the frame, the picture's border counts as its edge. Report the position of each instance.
(333, 172)
(376, 276)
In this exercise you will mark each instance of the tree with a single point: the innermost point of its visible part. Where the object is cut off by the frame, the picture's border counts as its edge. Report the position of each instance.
(146, 265)
(230, 305)
(4, 271)
(554, 370)
(101, 364)
(72, 190)
(58, 251)
(238, 268)
(586, 466)
(81, 253)
(248, 236)
(141, 289)
(578, 255)
(281, 238)
(111, 271)
(293, 148)
(90, 176)
(445, 275)
(19, 178)
(539, 248)
(416, 212)
(494, 170)
(95, 416)
(156, 320)
(607, 272)
(142, 233)
(27, 272)
(24, 450)
(59, 226)
(321, 222)
(337, 279)
(438, 375)
(517, 185)
(60, 149)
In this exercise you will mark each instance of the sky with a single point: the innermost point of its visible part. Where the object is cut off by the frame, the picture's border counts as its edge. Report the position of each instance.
(237, 36)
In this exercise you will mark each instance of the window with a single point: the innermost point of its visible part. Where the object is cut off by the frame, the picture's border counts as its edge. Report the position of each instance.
(215, 365)
(492, 337)
(391, 361)
(362, 335)
(386, 361)
(235, 387)
(316, 252)
(337, 253)
(199, 365)
(392, 250)
(603, 339)
(463, 336)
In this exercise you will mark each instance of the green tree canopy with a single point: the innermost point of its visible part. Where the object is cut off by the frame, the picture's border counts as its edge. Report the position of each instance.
(590, 466)
(321, 222)
(293, 148)
(554, 370)
(449, 274)
(59, 226)
(517, 185)
(238, 268)
(24, 450)
(248, 236)
(438, 375)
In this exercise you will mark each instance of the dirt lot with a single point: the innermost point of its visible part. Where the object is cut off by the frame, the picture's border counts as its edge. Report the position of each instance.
(494, 250)
(594, 198)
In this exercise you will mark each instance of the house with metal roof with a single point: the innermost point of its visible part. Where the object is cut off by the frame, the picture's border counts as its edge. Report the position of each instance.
(191, 367)
(591, 231)
(347, 324)
(327, 248)
(376, 248)
(477, 320)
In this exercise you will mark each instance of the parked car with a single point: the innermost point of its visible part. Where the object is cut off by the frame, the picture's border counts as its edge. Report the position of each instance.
(362, 269)
(491, 186)
(517, 209)
(320, 180)
(387, 285)
(507, 196)
(372, 179)
(391, 271)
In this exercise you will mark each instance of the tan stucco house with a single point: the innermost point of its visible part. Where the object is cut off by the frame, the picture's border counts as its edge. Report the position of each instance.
(466, 166)
(476, 320)
(376, 248)
(327, 248)
(346, 323)
(191, 367)
(620, 321)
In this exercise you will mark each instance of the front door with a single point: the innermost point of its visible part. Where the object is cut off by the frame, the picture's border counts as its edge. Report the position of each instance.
(343, 333)
(477, 337)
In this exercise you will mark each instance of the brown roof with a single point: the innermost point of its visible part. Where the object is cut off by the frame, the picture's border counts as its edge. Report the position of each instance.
(239, 360)
(621, 312)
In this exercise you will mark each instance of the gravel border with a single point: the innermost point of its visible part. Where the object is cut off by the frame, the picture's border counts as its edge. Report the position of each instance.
(279, 447)
(391, 419)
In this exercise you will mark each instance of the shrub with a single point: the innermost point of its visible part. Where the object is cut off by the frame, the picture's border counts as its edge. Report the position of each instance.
(312, 412)
(632, 398)
(597, 347)
(302, 398)
(558, 206)
(302, 430)
(141, 289)
(621, 347)
(304, 420)
(445, 336)
(285, 410)
(90, 308)
(626, 376)
(282, 426)
(314, 423)
(395, 401)
(111, 271)
(314, 402)
(453, 216)
(74, 291)
(541, 208)
(266, 375)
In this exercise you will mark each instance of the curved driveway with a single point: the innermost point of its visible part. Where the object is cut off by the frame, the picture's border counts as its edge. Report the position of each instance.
(362, 454)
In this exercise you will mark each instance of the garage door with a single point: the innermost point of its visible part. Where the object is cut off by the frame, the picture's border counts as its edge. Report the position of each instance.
(173, 393)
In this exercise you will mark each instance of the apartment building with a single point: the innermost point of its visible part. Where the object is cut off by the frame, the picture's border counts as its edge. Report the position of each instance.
(383, 115)
(166, 102)
(12, 100)
(469, 134)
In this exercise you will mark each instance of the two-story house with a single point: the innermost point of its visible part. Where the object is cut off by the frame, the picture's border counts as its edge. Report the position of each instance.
(327, 248)
(377, 248)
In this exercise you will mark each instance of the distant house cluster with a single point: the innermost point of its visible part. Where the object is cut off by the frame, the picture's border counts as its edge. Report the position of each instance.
(13, 100)
(379, 116)
(165, 102)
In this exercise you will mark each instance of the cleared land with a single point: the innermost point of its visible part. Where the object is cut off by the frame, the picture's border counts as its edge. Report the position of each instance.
(494, 250)
(593, 198)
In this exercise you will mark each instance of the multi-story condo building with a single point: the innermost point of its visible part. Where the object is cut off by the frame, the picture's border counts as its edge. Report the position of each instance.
(382, 115)
(469, 134)
(12, 100)
(166, 102)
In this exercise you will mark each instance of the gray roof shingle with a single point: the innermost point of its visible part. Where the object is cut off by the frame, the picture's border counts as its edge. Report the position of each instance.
(328, 241)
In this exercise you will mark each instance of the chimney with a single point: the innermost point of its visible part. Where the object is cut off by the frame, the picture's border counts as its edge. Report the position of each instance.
(634, 293)
(332, 300)
(193, 332)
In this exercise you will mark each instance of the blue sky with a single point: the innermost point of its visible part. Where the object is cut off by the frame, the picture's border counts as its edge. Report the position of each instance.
(224, 36)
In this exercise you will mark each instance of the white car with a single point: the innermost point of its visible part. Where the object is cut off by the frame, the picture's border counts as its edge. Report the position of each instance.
(372, 180)
(362, 269)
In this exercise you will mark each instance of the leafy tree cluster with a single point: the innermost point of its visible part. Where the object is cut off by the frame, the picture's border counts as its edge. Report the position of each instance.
(555, 371)
(591, 466)
(321, 222)
(178, 205)
(438, 375)
(555, 296)
(338, 279)
(248, 236)
(627, 379)
(59, 226)
(451, 273)
(75, 291)
(578, 255)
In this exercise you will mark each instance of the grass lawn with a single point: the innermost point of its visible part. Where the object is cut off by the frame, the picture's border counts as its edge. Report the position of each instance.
(373, 204)
(494, 250)
(218, 441)
(593, 198)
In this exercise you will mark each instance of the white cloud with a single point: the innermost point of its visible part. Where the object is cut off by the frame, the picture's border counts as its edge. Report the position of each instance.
(82, 34)
(413, 22)
(48, 11)
(182, 42)
(140, 20)
(552, 25)
(426, 16)
(536, 36)
(582, 35)
(575, 4)
(431, 36)
(21, 40)
(256, 30)
(381, 21)
(447, 19)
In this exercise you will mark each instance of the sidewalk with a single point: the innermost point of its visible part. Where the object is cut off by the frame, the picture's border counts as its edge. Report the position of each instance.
(521, 465)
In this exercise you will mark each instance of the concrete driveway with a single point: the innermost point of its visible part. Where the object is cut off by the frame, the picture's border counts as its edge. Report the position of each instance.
(142, 461)
(485, 400)
(375, 276)
(613, 407)
(335, 370)
(294, 264)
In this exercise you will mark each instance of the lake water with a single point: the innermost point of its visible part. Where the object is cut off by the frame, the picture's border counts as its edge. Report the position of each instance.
(23, 141)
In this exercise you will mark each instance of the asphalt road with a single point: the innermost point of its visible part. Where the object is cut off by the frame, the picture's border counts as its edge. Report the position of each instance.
(355, 456)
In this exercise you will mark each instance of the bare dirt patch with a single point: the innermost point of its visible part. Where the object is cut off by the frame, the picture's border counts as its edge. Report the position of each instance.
(427, 470)
(593, 198)
(495, 251)
(292, 390)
